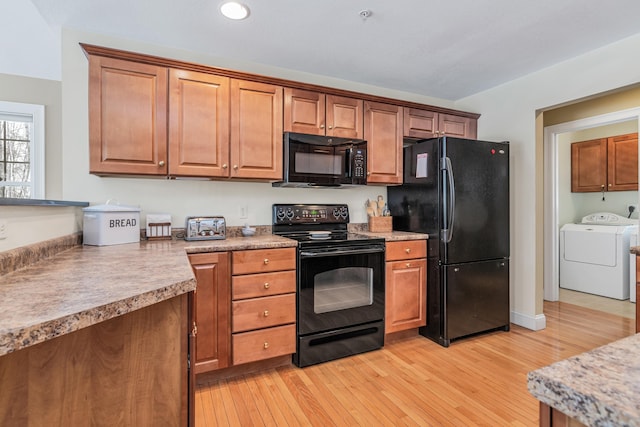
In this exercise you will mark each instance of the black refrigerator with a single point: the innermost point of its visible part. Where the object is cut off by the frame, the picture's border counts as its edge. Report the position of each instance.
(457, 191)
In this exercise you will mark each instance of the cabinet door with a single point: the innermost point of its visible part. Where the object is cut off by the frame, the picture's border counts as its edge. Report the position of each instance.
(589, 165)
(212, 315)
(406, 295)
(127, 117)
(383, 129)
(304, 111)
(198, 124)
(622, 162)
(462, 127)
(344, 117)
(256, 130)
(420, 123)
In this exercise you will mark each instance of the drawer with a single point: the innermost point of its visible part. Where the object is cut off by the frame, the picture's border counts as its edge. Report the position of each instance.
(263, 344)
(262, 285)
(263, 260)
(264, 312)
(406, 249)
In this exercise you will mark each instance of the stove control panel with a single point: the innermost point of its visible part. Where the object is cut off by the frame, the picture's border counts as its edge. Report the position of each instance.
(315, 214)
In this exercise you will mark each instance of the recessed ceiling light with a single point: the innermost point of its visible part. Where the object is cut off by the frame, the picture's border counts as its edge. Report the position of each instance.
(234, 10)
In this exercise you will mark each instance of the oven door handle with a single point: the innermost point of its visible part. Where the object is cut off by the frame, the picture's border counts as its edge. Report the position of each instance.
(338, 251)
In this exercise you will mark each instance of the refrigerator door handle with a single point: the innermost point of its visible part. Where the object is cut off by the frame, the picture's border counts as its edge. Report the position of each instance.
(447, 233)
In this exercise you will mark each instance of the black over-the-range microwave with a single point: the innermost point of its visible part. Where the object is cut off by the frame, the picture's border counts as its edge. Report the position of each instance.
(323, 161)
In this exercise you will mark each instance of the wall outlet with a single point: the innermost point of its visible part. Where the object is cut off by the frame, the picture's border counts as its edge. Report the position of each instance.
(3, 229)
(244, 212)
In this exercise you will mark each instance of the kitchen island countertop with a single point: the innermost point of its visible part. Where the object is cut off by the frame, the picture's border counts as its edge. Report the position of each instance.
(85, 285)
(599, 387)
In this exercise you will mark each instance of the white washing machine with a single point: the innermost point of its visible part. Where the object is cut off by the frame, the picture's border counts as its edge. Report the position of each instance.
(594, 255)
(633, 241)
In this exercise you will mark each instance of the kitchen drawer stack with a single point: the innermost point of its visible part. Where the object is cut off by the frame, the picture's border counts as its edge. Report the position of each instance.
(263, 286)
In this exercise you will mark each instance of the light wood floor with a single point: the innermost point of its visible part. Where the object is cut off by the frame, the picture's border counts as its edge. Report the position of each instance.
(479, 381)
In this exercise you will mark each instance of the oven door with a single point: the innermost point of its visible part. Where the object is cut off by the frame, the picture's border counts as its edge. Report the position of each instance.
(340, 286)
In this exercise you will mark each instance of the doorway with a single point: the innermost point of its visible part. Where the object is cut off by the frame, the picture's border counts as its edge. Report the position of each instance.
(552, 179)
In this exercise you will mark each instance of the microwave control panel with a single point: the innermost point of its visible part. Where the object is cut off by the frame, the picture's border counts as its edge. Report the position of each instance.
(359, 162)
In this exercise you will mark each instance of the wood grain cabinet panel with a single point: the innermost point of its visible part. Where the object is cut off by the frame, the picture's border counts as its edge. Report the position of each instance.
(264, 304)
(127, 117)
(264, 344)
(405, 285)
(383, 132)
(622, 162)
(605, 164)
(198, 124)
(263, 312)
(256, 130)
(212, 311)
(423, 124)
(316, 113)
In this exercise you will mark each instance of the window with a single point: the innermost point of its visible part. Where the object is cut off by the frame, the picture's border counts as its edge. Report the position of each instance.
(21, 150)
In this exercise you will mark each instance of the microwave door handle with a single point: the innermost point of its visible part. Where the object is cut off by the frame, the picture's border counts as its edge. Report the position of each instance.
(348, 158)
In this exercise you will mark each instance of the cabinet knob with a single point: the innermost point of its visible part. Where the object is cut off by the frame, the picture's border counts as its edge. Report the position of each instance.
(224, 166)
(408, 250)
(321, 126)
(161, 163)
(235, 167)
(266, 345)
(408, 264)
(266, 313)
(609, 185)
(266, 261)
(330, 127)
(194, 331)
(266, 285)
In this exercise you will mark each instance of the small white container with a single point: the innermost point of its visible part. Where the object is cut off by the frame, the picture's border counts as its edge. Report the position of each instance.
(107, 224)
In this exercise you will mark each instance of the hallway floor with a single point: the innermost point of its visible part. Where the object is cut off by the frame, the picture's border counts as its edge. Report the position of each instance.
(609, 305)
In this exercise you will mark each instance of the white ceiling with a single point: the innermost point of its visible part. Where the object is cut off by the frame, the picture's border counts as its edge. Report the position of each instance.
(446, 49)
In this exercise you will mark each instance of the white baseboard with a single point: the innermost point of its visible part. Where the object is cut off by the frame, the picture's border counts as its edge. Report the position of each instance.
(535, 323)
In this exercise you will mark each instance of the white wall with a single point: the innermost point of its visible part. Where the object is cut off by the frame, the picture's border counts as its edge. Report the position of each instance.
(509, 113)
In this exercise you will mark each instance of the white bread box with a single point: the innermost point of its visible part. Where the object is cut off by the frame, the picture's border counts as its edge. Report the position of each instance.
(110, 225)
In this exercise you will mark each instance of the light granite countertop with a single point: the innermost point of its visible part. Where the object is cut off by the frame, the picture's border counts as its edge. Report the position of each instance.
(85, 285)
(395, 235)
(598, 388)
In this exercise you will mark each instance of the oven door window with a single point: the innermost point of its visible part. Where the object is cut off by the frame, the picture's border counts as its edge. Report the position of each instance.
(342, 288)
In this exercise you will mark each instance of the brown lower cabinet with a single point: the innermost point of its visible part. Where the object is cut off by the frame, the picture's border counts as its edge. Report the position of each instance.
(127, 371)
(406, 285)
(245, 308)
(211, 311)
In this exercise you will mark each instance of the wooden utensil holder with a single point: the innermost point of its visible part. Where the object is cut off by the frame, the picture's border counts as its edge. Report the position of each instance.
(380, 224)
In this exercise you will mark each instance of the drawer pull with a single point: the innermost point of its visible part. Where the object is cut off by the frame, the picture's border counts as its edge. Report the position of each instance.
(266, 313)
(408, 250)
(266, 285)
(266, 345)
(266, 261)
(408, 264)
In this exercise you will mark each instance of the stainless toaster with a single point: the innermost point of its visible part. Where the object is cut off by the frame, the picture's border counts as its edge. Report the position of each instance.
(205, 228)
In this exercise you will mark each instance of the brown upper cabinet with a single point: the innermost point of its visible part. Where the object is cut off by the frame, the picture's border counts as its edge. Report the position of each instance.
(127, 117)
(153, 116)
(198, 124)
(316, 113)
(428, 124)
(216, 127)
(605, 164)
(383, 133)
